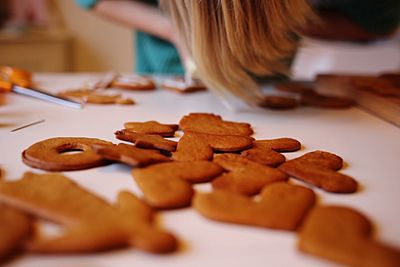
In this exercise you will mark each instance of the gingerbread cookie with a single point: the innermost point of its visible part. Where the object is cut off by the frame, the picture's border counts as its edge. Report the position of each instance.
(168, 185)
(191, 148)
(324, 101)
(294, 87)
(128, 154)
(179, 85)
(213, 124)
(200, 146)
(139, 220)
(281, 206)
(133, 82)
(51, 154)
(319, 169)
(279, 102)
(149, 141)
(245, 176)
(309, 97)
(283, 144)
(344, 235)
(323, 159)
(152, 127)
(91, 224)
(15, 227)
(266, 151)
(95, 97)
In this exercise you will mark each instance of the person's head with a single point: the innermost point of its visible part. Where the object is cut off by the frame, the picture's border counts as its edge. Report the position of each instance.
(231, 41)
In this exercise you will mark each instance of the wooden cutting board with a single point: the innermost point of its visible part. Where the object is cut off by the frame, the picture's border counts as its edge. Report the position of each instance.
(383, 106)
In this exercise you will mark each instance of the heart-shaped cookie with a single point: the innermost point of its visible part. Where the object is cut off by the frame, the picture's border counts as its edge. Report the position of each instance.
(344, 235)
(280, 206)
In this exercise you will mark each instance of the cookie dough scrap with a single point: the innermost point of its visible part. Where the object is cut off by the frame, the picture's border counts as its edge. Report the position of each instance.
(201, 146)
(149, 141)
(96, 97)
(319, 168)
(168, 185)
(51, 154)
(281, 206)
(91, 224)
(267, 151)
(344, 235)
(128, 154)
(152, 127)
(245, 176)
(279, 102)
(15, 227)
(213, 124)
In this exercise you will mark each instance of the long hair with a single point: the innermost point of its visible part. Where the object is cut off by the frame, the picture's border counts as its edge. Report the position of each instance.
(232, 41)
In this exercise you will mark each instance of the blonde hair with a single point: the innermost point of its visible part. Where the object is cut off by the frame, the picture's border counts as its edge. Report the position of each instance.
(231, 41)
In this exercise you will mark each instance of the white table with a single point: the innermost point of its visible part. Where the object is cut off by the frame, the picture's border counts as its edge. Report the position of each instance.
(369, 146)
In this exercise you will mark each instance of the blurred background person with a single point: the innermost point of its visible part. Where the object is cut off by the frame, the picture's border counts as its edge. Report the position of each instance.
(156, 41)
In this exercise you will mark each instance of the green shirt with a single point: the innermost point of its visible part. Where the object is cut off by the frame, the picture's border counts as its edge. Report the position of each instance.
(153, 55)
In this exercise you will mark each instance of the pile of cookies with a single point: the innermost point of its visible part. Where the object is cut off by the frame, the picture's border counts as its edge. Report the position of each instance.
(250, 182)
(299, 94)
(303, 95)
(97, 93)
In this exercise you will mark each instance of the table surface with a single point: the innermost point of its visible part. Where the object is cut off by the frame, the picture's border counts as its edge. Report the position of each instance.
(368, 145)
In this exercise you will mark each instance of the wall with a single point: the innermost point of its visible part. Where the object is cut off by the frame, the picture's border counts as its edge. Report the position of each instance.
(98, 45)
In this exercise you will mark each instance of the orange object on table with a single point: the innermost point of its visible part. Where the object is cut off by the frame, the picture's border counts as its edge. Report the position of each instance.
(20, 81)
(10, 76)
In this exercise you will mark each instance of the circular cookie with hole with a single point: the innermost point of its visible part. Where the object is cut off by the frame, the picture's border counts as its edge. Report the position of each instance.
(64, 154)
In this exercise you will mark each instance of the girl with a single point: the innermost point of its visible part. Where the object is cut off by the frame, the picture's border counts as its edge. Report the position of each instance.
(233, 42)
